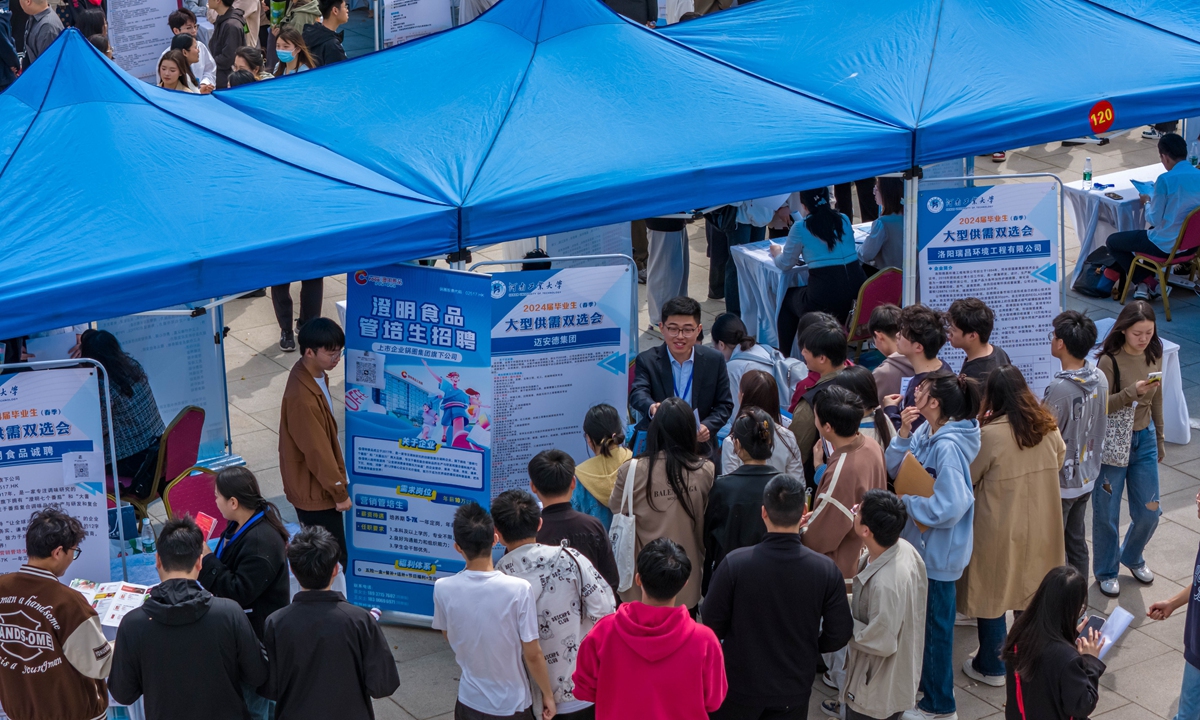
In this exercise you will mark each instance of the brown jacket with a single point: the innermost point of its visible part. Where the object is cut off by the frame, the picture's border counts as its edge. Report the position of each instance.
(1018, 521)
(310, 457)
(668, 518)
(849, 473)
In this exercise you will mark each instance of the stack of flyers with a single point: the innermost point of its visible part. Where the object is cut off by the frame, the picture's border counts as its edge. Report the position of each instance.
(111, 601)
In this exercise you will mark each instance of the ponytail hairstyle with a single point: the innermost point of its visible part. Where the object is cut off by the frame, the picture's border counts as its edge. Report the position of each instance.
(671, 439)
(240, 483)
(604, 428)
(729, 329)
(823, 221)
(755, 432)
(859, 380)
(957, 395)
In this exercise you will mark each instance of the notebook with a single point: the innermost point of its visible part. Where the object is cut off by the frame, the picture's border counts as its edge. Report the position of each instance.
(914, 479)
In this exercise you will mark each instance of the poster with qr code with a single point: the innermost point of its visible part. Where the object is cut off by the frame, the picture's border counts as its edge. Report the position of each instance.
(52, 453)
(418, 427)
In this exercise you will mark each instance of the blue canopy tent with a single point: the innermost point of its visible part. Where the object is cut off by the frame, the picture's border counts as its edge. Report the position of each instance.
(965, 77)
(551, 115)
(119, 197)
(1178, 16)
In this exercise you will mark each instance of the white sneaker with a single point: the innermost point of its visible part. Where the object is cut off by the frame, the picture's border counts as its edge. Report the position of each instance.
(1143, 575)
(970, 671)
(964, 621)
(825, 678)
(919, 714)
(1110, 588)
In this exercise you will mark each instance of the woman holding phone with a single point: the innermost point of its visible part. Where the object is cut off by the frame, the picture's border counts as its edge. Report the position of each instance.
(1131, 360)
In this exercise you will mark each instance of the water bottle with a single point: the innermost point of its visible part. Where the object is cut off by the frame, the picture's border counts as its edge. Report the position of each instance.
(148, 544)
(1087, 173)
(1194, 153)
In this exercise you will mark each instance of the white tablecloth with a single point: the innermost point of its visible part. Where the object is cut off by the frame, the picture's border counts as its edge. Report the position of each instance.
(762, 285)
(1098, 216)
(1175, 411)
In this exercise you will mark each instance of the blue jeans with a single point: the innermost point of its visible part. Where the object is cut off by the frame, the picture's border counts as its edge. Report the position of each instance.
(937, 666)
(1141, 478)
(992, 632)
(1189, 696)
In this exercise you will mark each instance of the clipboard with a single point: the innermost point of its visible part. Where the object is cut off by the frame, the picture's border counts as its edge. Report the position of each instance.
(914, 479)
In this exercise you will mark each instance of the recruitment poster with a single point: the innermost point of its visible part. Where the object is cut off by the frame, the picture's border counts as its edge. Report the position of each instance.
(51, 453)
(139, 33)
(404, 20)
(184, 359)
(560, 340)
(613, 239)
(418, 428)
(998, 243)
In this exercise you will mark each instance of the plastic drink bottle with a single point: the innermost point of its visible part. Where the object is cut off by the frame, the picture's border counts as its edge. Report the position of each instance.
(1087, 173)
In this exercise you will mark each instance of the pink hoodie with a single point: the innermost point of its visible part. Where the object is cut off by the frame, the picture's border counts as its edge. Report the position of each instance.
(650, 663)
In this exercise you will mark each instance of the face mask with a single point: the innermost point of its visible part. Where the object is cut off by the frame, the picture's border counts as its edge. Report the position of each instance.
(285, 56)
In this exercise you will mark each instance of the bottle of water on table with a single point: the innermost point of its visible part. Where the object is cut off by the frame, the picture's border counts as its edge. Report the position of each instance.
(1087, 173)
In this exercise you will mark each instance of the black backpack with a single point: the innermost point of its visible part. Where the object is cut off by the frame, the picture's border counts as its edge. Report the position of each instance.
(1101, 276)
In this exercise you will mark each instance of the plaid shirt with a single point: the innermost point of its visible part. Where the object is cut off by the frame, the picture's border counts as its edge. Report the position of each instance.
(136, 420)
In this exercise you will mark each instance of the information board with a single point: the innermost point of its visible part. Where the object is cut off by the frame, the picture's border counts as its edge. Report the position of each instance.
(998, 243)
(604, 240)
(184, 358)
(138, 33)
(418, 437)
(404, 20)
(51, 453)
(559, 346)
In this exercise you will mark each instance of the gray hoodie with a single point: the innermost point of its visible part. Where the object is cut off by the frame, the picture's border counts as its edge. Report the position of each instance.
(1078, 399)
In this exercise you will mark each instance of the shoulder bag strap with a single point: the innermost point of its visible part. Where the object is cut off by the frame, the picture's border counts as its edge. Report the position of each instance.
(828, 494)
(630, 479)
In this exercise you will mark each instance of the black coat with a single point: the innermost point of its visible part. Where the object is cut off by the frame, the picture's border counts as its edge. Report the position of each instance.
(1066, 685)
(733, 518)
(229, 34)
(252, 571)
(328, 658)
(583, 533)
(189, 653)
(653, 383)
(641, 11)
(324, 44)
(776, 606)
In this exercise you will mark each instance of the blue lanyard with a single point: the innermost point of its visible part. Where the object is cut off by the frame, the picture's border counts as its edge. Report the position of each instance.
(223, 544)
(687, 387)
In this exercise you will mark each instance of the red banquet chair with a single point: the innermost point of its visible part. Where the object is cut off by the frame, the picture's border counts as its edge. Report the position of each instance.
(1187, 245)
(193, 493)
(883, 288)
(178, 450)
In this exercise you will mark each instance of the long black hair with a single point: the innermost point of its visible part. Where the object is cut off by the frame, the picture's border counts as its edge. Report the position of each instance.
(238, 482)
(823, 221)
(1132, 314)
(123, 371)
(672, 434)
(859, 380)
(1051, 617)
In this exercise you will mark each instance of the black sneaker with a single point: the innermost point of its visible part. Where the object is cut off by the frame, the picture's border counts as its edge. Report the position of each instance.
(287, 341)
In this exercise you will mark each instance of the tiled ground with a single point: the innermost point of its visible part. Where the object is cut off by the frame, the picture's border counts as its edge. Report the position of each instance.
(1144, 672)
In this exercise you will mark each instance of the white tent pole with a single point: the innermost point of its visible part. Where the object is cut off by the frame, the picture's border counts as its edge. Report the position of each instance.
(911, 181)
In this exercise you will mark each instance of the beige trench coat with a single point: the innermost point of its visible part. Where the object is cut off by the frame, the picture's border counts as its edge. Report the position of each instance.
(1018, 522)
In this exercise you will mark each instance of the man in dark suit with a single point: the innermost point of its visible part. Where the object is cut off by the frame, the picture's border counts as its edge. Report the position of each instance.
(680, 368)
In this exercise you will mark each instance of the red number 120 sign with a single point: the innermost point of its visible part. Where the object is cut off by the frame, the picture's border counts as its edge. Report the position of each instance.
(1101, 116)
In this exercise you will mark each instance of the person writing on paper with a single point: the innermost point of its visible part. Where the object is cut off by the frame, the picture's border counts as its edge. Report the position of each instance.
(1189, 695)
(1051, 673)
(1176, 194)
(250, 563)
(884, 246)
(823, 240)
(1018, 524)
(940, 524)
(136, 422)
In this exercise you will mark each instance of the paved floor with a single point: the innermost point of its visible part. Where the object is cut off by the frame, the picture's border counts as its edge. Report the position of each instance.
(1144, 672)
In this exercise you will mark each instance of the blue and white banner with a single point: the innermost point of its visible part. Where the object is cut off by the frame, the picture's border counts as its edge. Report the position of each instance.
(51, 453)
(998, 243)
(418, 439)
(560, 343)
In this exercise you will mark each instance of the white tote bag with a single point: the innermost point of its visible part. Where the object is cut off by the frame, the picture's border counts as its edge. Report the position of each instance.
(623, 533)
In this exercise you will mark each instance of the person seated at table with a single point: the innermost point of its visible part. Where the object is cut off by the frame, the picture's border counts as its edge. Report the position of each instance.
(823, 239)
(681, 368)
(136, 421)
(1176, 193)
(884, 246)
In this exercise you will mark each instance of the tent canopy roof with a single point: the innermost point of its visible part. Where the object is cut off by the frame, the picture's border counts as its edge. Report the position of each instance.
(967, 77)
(122, 197)
(549, 115)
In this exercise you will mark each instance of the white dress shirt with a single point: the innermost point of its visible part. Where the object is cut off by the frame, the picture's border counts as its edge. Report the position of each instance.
(761, 211)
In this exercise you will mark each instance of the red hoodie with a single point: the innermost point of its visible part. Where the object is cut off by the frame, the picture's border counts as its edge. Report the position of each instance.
(651, 663)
